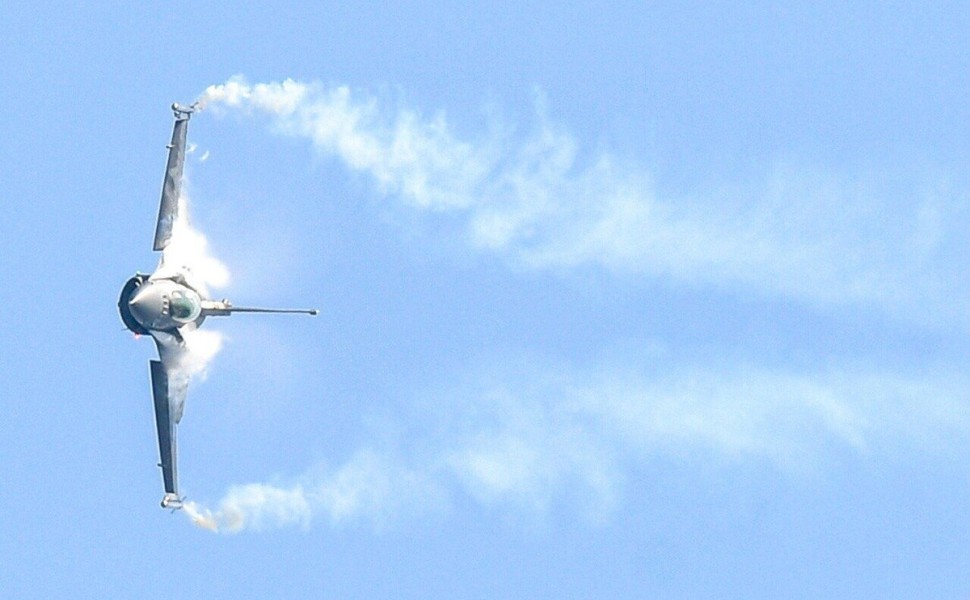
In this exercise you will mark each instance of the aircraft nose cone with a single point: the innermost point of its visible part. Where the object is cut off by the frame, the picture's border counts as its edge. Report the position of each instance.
(146, 305)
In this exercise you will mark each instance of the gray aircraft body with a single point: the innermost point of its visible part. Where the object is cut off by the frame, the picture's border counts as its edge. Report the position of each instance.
(169, 305)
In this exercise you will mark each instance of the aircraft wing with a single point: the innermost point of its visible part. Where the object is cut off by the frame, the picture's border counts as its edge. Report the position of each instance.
(172, 185)
(165, 425)
(169, 387)
(172, 352)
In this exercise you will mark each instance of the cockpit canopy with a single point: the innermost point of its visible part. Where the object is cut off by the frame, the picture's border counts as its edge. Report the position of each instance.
(184, 305)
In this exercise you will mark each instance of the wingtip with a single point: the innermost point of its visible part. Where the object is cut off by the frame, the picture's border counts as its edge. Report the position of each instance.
(172, 501)
(184, 112)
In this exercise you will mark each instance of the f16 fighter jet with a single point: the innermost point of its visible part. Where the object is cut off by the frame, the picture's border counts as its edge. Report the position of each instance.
(169, 305)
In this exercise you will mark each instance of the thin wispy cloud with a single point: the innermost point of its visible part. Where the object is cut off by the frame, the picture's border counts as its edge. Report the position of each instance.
(800, 234)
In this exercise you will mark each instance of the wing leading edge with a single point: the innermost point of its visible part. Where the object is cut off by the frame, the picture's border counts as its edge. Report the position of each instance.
(172, 185)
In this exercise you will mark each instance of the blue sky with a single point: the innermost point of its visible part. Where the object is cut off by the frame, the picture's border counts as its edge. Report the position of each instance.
(617, 301)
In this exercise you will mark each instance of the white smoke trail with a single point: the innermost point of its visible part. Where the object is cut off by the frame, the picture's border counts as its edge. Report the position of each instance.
(530, 442)
(367, 486)
(799, 234)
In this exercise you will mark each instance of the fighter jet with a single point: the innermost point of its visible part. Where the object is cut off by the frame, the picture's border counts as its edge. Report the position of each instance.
(169, 305)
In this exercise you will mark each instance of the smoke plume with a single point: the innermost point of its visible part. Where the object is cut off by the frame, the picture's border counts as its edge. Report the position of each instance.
(540, 439)
(369, 486)
(534, 198)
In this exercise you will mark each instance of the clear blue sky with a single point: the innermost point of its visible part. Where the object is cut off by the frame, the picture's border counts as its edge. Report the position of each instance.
(625, 300)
